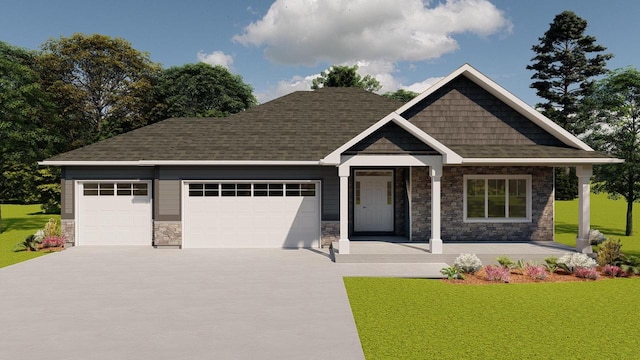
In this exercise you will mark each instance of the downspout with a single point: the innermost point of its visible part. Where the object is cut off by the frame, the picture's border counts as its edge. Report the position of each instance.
(409, 198)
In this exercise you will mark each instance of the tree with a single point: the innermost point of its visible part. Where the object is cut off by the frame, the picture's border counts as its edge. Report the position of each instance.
(403, 96)
(101, 85)
(566, 61)
(345, 76)
(614, 111)
(203, 90)
(564, 69)
(28, 125)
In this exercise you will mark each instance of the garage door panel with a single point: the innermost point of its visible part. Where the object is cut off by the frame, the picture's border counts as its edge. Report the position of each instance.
(114, 217)
(284, 219)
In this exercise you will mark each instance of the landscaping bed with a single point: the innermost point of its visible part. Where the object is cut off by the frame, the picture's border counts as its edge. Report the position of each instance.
(517, 277)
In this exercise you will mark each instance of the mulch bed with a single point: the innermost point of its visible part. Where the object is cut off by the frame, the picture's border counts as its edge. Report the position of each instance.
(479, 278)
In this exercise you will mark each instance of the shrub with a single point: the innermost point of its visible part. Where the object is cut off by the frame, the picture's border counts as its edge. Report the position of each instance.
(609, 252)
(612, 270)
(468, 263)
(53, 241)
(505, 261)
(537, 272)
(551, 264)
(630, 265)
(498, 273)
(52, 228)
(586, 273)
(521, 264)
(30, 243)
(596, 237)
(452, 273)
(571, 262)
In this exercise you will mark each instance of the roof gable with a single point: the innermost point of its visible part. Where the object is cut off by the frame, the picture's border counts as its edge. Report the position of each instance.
(505, 97)
(463, 113)
(391, 139)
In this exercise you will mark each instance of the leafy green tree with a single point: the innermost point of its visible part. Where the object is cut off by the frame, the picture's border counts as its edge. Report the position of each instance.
(403, 96)
(614, 111)
(345, 76)
(566, 61)
(203, 90)
(29, 128)
(102, 85)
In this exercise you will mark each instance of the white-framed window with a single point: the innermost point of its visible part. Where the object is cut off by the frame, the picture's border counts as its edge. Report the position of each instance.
(497, 198)
(258, 189)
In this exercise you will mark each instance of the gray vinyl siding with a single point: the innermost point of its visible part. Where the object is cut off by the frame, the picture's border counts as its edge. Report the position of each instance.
(66, 201)
(328, 175)
(167, 200)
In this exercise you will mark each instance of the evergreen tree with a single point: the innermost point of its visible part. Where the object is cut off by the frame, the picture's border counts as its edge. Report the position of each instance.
(566, 61)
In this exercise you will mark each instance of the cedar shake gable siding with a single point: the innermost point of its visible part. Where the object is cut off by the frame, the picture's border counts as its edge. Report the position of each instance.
(461, 113)
(391, 139)
(301, 126)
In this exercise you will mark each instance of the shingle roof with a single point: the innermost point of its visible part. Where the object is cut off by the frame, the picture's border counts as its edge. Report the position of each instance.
(301, 126)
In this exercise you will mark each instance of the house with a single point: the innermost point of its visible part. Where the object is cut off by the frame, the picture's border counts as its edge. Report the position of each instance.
(464, 161)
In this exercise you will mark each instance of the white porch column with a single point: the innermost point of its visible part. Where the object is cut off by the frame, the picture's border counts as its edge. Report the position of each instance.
(343, 242)
(435, 243)
(584, 174)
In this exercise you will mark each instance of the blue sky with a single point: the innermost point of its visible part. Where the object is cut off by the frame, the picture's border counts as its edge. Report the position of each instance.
(277, 47)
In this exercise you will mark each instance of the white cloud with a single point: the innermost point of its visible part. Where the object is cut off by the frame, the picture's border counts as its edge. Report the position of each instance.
(284, 87)
(337, 31)
(216, 58)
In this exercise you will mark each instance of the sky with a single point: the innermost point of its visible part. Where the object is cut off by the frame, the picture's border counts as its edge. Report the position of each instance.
(279, 46)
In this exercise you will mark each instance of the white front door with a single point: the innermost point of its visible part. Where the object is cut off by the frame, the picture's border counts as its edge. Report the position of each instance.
(373, 200)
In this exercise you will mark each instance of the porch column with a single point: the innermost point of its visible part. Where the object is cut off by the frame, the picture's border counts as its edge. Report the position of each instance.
(584, 174)
(435, 243)
(343, 242)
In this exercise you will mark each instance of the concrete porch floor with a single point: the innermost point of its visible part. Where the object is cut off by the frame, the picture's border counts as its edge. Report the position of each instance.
(389, 249)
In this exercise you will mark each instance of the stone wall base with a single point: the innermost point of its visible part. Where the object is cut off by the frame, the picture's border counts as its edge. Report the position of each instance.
(68, 227)
(330, 231)
(167, 234)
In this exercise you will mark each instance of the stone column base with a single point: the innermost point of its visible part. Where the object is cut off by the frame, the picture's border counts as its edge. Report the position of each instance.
(167, 234)
(68, 227)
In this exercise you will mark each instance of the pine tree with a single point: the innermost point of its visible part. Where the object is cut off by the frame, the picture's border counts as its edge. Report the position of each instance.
(566, 61)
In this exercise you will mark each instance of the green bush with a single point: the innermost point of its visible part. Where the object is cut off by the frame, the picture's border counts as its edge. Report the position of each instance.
(609, 252)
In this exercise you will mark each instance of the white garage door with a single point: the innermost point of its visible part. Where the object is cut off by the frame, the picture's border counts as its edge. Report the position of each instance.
(114, 213)
(274, 214)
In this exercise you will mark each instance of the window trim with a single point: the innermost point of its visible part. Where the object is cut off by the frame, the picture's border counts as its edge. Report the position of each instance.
(506, 178)
(279, 189)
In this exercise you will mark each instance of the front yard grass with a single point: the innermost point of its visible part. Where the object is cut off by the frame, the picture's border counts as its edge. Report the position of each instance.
(607, 215)
(431, 319)
(19, 221)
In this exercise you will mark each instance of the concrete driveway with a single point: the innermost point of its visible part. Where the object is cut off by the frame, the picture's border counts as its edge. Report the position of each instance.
(144, 303)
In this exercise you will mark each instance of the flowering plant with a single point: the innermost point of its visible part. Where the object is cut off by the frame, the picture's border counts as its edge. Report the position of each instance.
(468, 263)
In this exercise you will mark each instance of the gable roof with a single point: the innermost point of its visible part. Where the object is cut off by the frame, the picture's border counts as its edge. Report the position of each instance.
(506, 97)
(302, 126)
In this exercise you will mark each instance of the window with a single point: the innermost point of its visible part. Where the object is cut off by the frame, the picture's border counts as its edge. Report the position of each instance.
(114, 189)
(227, 189)
(496, 198)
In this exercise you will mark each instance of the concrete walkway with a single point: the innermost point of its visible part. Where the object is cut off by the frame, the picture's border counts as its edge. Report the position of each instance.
(143, 303)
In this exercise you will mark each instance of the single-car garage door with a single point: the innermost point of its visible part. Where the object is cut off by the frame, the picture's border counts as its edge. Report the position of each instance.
(270, 214)
(114, 213)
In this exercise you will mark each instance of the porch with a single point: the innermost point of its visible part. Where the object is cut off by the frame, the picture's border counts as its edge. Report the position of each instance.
(393, 249)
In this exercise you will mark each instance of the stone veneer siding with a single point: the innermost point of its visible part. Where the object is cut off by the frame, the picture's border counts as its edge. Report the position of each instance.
(167, 233)
(420, 204)
(330, 232)
(455, 229)
(68, 228)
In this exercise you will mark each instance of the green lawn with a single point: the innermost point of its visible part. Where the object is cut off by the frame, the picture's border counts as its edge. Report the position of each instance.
(430, 319)
(607, 215)
(19, 221)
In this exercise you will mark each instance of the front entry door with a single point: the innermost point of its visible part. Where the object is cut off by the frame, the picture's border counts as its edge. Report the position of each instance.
(373, 200)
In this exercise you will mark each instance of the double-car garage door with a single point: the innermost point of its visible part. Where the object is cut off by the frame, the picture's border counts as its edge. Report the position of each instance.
(215, 214)
(269, 214)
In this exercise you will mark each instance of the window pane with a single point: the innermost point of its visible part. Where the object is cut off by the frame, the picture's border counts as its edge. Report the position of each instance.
(276, 190)
(496, 197)
(124, 189)
(293, 190)
(90, 189)
(107, 189)
(195, 189)
(139, 189)
(475, 198)
(517, 198)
